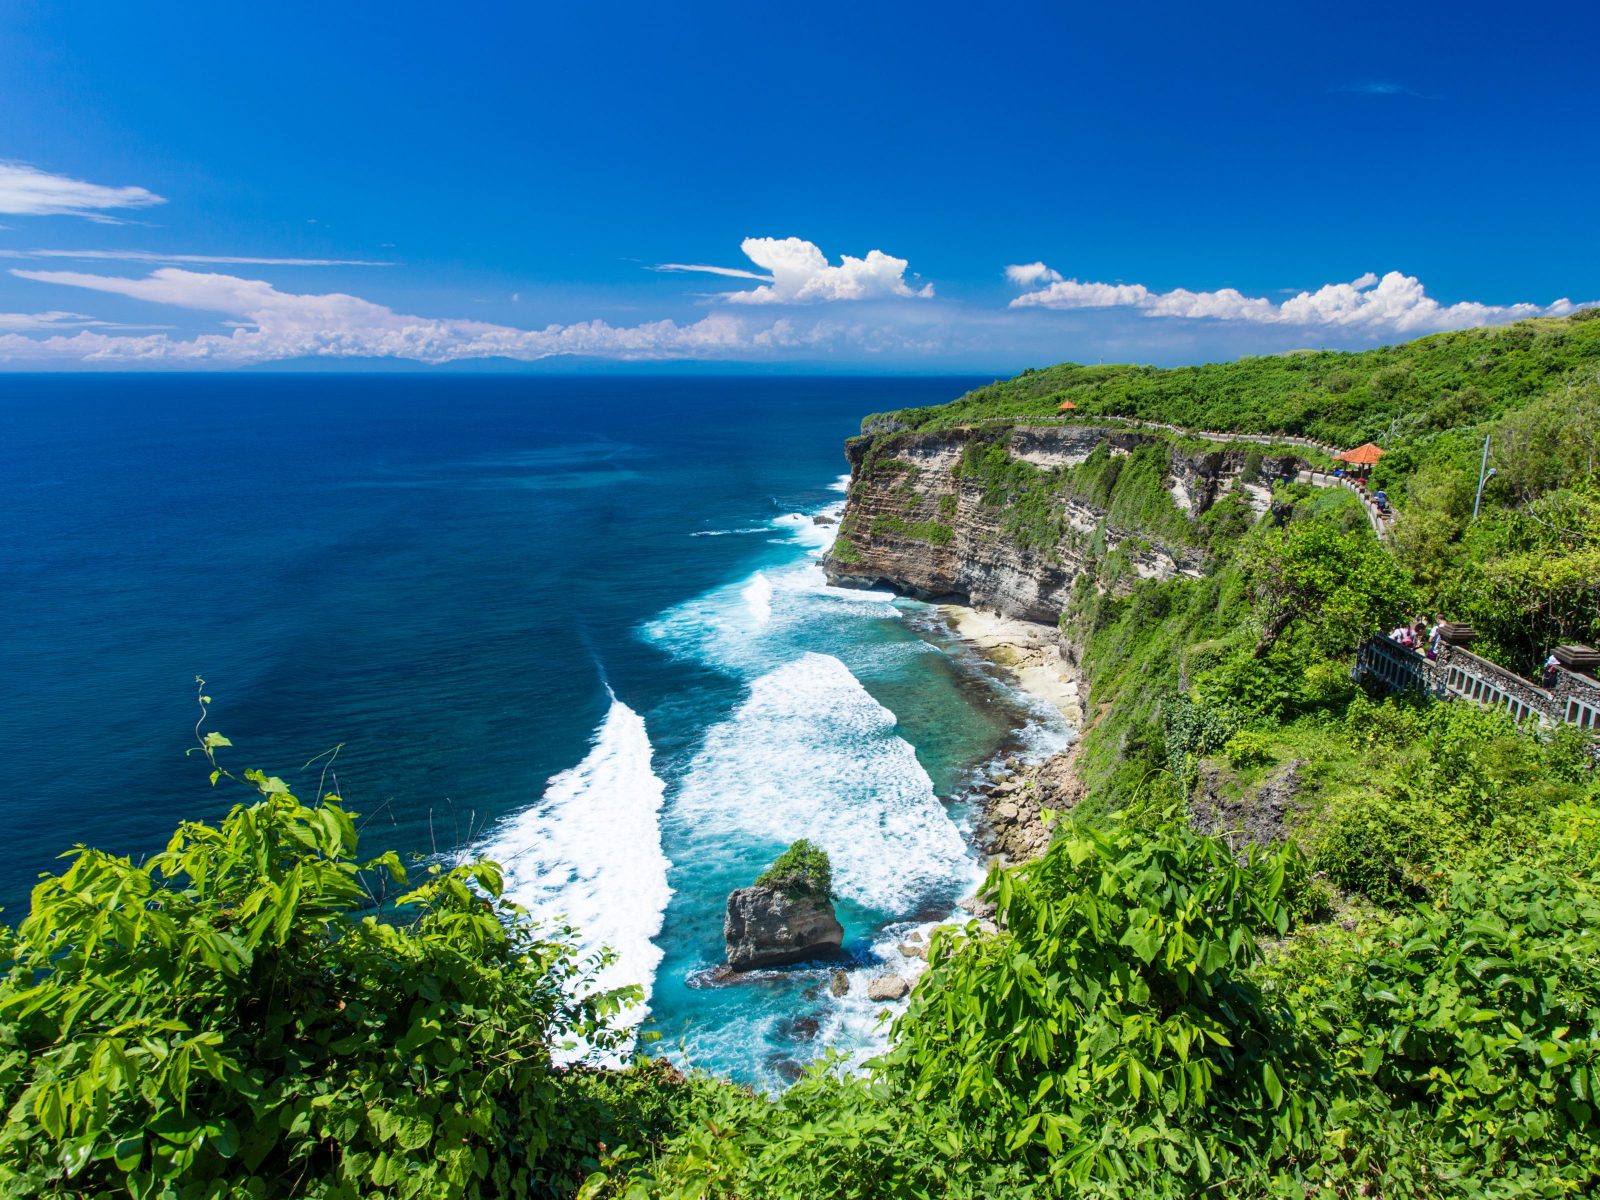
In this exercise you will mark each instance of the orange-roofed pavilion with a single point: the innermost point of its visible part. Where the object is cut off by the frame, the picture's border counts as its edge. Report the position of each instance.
(1362, 456)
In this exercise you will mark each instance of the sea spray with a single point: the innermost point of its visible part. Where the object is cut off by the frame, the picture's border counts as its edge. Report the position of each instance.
(758, 598)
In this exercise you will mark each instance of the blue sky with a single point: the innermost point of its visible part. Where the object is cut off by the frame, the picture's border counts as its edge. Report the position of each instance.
(1013, 184)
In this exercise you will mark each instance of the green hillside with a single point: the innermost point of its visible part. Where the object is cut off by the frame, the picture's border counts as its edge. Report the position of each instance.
(1436, 383)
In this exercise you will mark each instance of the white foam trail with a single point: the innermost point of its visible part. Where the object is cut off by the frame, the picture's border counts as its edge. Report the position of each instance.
(715, 627)
(809, 753)
(806, 531)
(729, 532)
(841, 484)
(590, 851)
(758, 598)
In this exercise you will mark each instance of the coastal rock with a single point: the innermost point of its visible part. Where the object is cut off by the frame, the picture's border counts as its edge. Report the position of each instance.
(1257, 816)
(913, 950)
(767, 927)
(1013, 827)
(888, 987)
(839, 985)
(823, 519)
(977, 905)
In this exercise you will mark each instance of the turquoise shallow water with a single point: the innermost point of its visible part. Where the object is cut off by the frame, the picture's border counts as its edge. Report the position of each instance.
(576, 623)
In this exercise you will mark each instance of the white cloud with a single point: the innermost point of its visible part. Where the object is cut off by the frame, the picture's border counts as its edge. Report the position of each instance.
(16, 322)
(798, 272)
(30, 192)
(151, 256)
(1395, 303)
(268, 325)
(801, 274)
(1031, 274)
(55, 322)
(703, 269)
(1375, 87)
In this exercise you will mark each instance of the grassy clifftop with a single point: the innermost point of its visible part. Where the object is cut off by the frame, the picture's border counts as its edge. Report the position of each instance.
(1436, 382)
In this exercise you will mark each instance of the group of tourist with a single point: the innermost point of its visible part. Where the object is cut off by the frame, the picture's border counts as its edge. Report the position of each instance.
(1420, 636)
(1428, 640)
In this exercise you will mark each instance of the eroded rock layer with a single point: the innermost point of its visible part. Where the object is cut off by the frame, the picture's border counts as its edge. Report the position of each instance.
(922, 522)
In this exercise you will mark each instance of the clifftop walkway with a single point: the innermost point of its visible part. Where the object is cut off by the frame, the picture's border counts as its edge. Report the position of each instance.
(1381, 520)
(1458, 674)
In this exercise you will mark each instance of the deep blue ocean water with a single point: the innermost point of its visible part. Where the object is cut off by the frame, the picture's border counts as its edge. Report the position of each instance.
(574, 622)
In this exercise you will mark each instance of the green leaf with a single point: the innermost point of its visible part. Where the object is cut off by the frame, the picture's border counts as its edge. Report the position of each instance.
(1269, 1079)
(1145, 943)
(128, 1153)
(412, 1131)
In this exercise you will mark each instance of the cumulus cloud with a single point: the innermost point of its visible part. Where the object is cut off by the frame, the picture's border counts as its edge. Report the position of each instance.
(798, 272)
(269, 325)
(1032, 274)
(30, 192)
(1395, 303)
(151, 256)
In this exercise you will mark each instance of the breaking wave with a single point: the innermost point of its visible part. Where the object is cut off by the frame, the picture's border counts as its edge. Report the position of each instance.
(809, 753)
(589, 853)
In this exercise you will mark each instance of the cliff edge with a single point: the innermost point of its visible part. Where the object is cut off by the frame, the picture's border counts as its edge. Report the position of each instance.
(1010, 518)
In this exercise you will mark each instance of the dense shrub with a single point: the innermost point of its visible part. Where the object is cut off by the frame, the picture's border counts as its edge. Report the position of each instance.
(801, 870)
(1113, 1028)
(1467, 788)
(1484, 1015)
(235, 1017)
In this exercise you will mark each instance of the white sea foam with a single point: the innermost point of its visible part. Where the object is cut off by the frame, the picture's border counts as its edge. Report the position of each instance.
(791, 603)
(807, 532)
(757, 596)
(841, 484)
(852, 1024)
(729, 532)
(809, 753)
(590, 852)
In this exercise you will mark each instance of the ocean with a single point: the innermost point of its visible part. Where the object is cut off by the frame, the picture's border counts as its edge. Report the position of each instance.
(573, 623)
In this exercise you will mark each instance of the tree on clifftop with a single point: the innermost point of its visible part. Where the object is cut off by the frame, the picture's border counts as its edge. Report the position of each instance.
(1337, 586)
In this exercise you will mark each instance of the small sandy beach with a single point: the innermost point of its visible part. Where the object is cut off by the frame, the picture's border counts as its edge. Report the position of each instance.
(1029, 651)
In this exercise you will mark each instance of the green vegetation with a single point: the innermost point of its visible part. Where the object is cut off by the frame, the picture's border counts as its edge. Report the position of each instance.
(1433, 384)
(1131, 488)
(238, 1017)
(1525, 574)
(918, 531)
(801, 870)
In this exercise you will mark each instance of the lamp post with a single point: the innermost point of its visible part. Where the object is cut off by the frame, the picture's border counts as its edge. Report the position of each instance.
(1485, 473)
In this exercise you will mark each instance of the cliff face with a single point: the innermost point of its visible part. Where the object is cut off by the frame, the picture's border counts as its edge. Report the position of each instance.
(993, 518)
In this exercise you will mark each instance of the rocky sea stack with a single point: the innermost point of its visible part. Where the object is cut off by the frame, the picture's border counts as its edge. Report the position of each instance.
(787, 915)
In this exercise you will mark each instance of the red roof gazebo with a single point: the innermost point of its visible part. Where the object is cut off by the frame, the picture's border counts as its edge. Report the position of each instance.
(1362, 456)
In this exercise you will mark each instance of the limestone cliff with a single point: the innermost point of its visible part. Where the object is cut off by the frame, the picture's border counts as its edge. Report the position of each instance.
(1007, 518)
